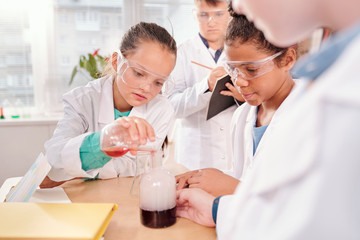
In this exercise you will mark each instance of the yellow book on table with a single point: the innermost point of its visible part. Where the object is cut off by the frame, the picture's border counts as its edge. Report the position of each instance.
(54, 220)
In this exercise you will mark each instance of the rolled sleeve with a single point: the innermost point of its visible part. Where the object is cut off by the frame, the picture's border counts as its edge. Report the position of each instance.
(90, 153)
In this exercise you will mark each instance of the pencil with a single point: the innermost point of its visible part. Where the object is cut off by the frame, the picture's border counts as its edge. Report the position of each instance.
(201, 65)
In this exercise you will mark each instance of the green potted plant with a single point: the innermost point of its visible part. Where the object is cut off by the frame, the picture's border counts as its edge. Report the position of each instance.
(94, 64)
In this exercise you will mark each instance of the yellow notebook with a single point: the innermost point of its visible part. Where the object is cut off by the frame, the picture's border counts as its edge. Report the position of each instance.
(54, 220)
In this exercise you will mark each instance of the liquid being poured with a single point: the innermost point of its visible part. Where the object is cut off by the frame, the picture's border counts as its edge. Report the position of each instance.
(118, 151)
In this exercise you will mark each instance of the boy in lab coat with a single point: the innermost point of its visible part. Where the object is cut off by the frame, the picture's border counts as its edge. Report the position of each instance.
(304, 185)
(200, 143)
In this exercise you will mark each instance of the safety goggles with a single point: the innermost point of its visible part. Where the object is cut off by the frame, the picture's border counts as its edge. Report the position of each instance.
(217, 15)
(137, 76)
(248, 70)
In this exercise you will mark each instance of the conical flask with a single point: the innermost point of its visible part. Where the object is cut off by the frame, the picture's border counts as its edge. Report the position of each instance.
(157, 196)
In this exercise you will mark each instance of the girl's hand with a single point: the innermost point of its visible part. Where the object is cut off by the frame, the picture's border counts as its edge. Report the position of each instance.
(182, 179)
(127, 131)
(213, 181)
(135, 130)
(196, 205)
(233, 92)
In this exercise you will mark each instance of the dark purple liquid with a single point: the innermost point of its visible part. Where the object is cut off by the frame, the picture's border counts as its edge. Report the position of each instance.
(158, 219)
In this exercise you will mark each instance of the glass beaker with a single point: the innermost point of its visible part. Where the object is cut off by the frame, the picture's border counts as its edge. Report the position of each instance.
(157, 196)
(143, 163)
(115, 141)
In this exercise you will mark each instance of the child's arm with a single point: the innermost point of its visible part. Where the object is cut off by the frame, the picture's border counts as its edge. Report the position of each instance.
(182, 179)
(210, 180)
(196, 205)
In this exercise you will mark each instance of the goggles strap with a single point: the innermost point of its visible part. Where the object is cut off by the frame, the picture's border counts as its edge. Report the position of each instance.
(120, 61)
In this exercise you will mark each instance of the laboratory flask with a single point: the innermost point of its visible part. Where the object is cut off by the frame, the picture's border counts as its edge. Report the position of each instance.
(157, 195)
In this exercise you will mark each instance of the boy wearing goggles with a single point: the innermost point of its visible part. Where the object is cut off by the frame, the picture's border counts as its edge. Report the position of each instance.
(199, 142)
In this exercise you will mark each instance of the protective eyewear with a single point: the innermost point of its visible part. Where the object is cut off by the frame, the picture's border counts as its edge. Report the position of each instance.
(216, 15)
(137, 76)
(248, 70)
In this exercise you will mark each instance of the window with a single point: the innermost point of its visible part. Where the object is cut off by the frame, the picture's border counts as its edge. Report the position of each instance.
(87, 21)
(40, 48)
(2, 61)
(63, 18)
(65, 60)
(3, 82)
(16, 68)
(105, 22)
(64, 39)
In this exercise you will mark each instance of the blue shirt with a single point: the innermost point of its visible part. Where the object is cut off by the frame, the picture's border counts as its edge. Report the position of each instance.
(314, 65)
(217, 53)
(258, 132)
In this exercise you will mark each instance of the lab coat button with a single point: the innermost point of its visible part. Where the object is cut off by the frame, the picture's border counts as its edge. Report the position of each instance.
(221, 129)
(222, 157)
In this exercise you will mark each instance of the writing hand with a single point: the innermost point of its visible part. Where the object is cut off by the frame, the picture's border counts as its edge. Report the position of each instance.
(215, 74)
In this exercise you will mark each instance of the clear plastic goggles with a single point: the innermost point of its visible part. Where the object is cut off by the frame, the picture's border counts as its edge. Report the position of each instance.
(136, 76)
(216, 15)
(249, 70)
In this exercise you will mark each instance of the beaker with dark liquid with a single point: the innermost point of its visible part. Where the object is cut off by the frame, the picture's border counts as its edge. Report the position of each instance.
(157, 198)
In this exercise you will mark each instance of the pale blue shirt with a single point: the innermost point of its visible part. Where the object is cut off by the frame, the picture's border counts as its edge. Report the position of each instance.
(258, 132)
(314, 65)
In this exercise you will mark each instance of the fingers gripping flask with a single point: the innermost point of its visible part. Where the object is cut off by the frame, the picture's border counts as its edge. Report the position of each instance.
(157, 196)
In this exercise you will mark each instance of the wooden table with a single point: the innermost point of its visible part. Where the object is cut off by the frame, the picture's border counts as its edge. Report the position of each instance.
(125, 223)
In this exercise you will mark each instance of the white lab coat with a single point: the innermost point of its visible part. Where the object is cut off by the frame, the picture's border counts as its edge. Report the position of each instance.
(198, 143)
(241, 130)
(305, 182)
(88, 109)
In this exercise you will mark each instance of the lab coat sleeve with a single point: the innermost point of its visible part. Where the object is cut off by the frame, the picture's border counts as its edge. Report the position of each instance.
(187, 97)
(62, 149)
(90, 152)
(238, 140)
(161, 118)
(222, 218)
(333, 209)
